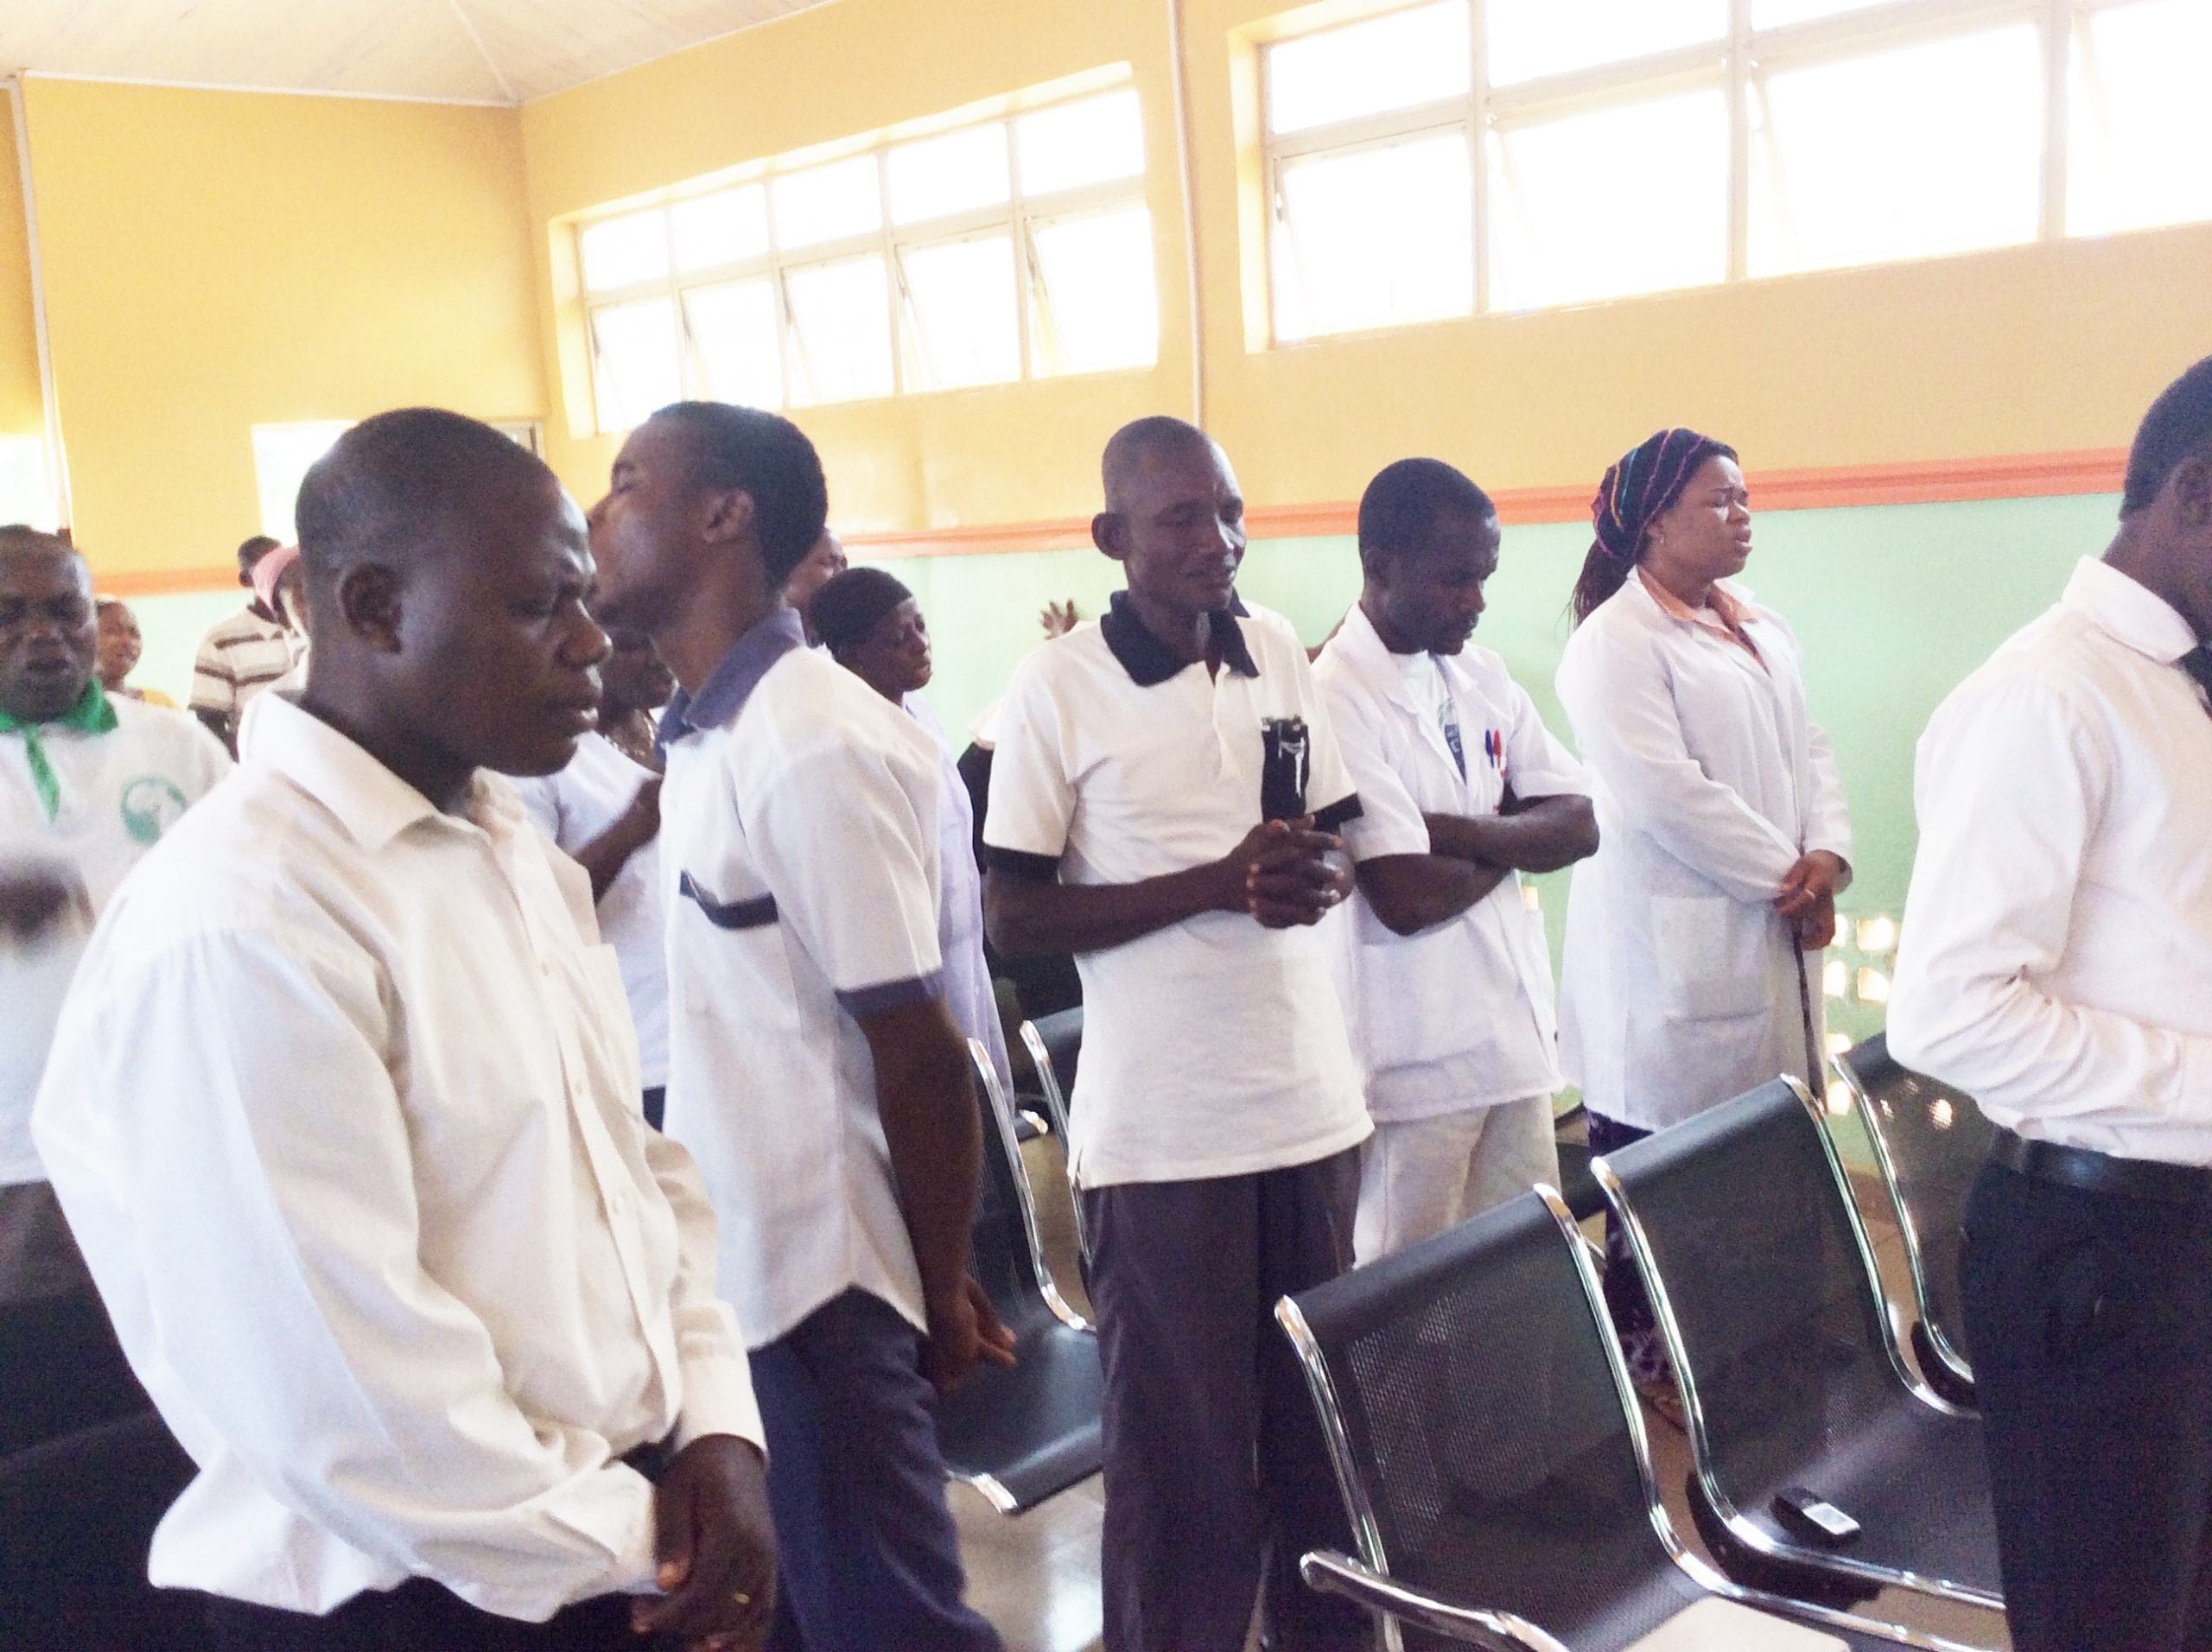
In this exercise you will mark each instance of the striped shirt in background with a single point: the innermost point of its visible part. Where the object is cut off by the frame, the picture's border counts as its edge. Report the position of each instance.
(238, 657)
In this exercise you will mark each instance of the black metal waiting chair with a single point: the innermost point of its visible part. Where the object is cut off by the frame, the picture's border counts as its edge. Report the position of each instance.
(1020, 1434)
(1930, 1142)
(1055, 1045)
(1742, 1226)
(77, 1515)
(1491, 1452)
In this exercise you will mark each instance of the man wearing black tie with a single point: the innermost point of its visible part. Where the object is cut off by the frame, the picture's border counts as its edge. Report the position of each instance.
(2058, 964)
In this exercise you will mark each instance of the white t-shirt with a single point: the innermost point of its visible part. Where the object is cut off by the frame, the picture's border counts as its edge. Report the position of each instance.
(577, 805)
(119, 792)
(1460, 1015)
(1213, 1047)
(800, 859)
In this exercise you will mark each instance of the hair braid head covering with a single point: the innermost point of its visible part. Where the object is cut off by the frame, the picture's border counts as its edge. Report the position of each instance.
(1648, 479)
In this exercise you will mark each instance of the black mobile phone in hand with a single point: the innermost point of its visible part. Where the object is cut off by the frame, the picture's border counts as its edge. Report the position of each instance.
(1286, 743)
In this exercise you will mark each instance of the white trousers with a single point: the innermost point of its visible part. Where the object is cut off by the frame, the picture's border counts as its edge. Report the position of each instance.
(1418, 1177)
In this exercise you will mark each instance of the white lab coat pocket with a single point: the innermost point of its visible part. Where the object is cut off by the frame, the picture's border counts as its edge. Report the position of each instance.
(1710, 956)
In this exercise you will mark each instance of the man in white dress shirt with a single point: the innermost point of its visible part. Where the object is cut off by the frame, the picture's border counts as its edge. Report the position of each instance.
(812, 1065)
(344, 1109)
(2056, 964)
(89, 781)
(1446, 978)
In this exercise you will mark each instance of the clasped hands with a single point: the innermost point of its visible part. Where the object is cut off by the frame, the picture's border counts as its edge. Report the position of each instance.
(1284, 873)
(1807, 902)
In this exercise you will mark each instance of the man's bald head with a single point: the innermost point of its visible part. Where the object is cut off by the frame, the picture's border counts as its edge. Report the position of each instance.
(405, 485)
(1128, 448)
(19, 539)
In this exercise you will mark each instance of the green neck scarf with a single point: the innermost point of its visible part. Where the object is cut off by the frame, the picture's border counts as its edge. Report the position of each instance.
(91, 714)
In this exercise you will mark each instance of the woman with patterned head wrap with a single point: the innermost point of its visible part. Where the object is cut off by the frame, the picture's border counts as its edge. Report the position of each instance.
(1692, 965)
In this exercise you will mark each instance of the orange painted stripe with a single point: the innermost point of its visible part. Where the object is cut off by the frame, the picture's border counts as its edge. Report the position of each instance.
(1928, 481)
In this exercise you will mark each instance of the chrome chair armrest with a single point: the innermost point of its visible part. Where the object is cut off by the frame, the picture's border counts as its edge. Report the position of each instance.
(1339, 1574)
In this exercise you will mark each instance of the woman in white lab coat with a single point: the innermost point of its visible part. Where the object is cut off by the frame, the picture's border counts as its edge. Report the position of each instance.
(1691, 971)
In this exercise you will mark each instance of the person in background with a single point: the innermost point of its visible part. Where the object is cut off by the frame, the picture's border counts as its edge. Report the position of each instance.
(88, 784)
(603, 810)
(871, 626)
(1691, 971)
(814, 1069)
(354, 1152)
(1447, 979)
(2056, 963)
(823, 562)
(241, 655)
(1164, 804)
(119, 649)
(280, 585)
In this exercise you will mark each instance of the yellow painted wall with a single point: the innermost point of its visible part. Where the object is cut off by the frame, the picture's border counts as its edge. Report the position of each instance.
(2043, 348)
(22, 412)
(217, 260)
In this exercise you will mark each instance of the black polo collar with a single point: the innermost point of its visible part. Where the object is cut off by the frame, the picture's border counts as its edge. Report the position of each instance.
(1147, 659)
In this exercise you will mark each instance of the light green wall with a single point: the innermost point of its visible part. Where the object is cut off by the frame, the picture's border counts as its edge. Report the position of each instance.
(1894, 604)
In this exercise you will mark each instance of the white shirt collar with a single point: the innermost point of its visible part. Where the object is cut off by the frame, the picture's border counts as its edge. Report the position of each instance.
(372, 804)
(2128, 611)
(1395, 675)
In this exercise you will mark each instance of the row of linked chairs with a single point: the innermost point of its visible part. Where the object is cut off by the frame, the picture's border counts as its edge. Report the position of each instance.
(1487, 1439)
(1492, 1453)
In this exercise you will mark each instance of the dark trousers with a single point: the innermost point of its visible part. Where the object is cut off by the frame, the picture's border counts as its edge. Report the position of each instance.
(867, 1556)
(1633, 1321)
(421, 1616)
(2090, 1317)
(1215, 1464)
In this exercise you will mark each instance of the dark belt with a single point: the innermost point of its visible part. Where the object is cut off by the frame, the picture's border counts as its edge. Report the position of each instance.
(2101, 1172)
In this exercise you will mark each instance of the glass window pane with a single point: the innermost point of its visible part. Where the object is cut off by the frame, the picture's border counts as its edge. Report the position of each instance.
(956, 173)
(1396, 61)
(1563, 230)
(826, 203)
(841, 321)
(736, 341)
(1773, 14)
(618, 251)
(26, 495)
(960, 300)
(2139, 122)
(1529, 39)
(1098, 304)
(725, 228)
(1906, 153)
(1094, 140)
(635, 363)
(282, 456)
(1375, 237)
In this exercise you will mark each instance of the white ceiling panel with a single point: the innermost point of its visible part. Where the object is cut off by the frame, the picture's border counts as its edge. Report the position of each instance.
(490, 51)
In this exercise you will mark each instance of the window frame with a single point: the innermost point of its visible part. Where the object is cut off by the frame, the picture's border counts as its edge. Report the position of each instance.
(1740, 61)
(1015, 217)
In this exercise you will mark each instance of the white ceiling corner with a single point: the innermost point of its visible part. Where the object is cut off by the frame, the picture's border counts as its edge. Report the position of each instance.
(475, 51)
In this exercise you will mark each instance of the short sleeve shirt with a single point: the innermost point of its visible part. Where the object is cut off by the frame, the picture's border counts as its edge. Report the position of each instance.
(576, 806)
(119, 792)
(1212, 1048)
(1460, 1015)
(238, 658)
(798, 859)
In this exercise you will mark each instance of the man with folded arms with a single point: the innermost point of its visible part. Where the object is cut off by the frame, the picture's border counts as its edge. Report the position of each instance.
(345, 1110)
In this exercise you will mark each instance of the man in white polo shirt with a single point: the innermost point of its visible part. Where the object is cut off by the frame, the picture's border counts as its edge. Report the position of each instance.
(1446, 978)
(1163, 803)
(88, 783)
(813, 1068)
(2056, 965)
(344, 1109)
